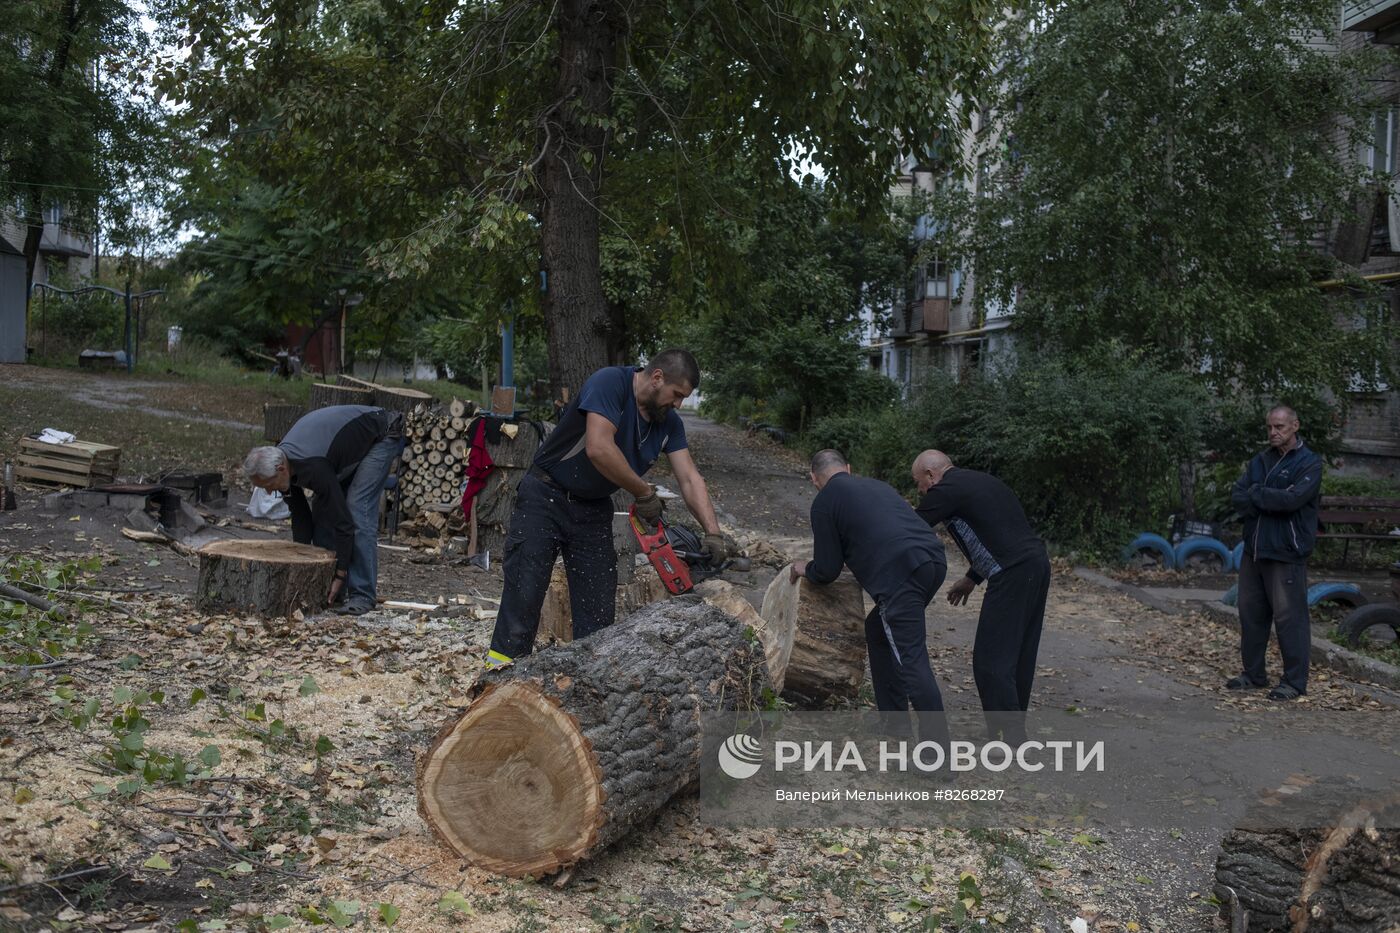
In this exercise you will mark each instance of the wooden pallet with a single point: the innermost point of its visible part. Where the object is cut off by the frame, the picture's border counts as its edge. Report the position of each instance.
(80, 463)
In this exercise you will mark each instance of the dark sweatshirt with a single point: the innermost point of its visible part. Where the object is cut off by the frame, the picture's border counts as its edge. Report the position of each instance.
(867, 526)
(324, 448)
(985, 519)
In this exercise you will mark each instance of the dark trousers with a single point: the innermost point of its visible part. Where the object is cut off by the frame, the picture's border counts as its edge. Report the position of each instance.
(1274, 594)
(545, 521)
(897, 638)
(1008, 635)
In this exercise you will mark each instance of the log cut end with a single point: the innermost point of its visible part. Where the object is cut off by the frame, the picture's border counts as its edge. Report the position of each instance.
(513, 786)
(270, 578)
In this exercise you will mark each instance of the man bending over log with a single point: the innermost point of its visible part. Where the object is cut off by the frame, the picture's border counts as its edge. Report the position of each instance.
(342, 454)
(896, 558)
(607, 438)
(986, 520)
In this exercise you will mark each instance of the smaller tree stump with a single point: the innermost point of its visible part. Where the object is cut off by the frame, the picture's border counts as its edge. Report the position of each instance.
(269, 578)
(827, 659)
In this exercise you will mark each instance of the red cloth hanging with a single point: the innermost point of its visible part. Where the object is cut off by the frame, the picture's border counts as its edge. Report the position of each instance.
(479, 467)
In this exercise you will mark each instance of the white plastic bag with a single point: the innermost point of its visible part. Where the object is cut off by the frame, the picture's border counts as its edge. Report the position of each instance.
(266, 504)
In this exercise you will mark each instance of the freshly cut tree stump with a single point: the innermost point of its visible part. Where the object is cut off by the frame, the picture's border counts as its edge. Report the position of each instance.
(278, 420)
(827, 660)
(777, 643)
(565, 751)
(323, 395)
(1343, 878)
(270, 578)
(520, 452)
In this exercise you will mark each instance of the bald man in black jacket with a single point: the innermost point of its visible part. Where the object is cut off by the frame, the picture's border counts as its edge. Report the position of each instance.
(896, 558)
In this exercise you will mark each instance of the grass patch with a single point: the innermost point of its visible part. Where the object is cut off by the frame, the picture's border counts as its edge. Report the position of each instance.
(1387, 651)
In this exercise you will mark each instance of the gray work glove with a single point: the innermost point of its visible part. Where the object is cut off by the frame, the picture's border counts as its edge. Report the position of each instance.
(716, 549)
(649, 508)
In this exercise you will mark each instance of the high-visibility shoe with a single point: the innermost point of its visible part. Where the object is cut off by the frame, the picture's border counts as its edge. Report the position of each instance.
(495, 659)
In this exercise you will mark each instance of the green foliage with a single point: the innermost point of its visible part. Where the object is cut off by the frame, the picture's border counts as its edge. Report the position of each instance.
(29, 636)
(1156, 176)
(1058, 432)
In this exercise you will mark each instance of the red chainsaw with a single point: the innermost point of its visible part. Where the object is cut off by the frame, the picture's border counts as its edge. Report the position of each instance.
(680, 563)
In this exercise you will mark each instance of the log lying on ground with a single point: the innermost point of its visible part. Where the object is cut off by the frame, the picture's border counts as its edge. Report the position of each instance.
(270, 578)
(1343, 878)
(776, 641)
(400, 399)
(562, 753)
(323, 395)
(827, 660)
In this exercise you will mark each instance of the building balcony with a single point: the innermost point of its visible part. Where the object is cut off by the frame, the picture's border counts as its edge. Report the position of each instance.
(1370, 15)
(60, 240)
(930, 316)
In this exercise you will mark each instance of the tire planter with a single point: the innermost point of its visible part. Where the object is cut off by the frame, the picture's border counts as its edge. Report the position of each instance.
(1354, 627)
(1232, 595)
(1237, 556)
(1344, 594)
(1148, 549)
(1204, 554)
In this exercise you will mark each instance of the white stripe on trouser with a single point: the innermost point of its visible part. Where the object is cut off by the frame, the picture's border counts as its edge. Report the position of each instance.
(889, 636)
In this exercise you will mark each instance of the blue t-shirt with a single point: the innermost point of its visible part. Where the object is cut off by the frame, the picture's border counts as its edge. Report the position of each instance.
(607, 392)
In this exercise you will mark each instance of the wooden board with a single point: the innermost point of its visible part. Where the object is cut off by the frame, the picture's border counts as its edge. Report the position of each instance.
(62, 479)
(503, 400)
(77, 450)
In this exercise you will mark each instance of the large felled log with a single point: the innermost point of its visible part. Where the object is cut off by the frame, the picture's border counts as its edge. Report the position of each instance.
(777, 642)
(400, 399)
(827, 660)
(278, 420)
(562, 753)
(343, 380)
(323, 395)
(269, 578)
(1343, 878)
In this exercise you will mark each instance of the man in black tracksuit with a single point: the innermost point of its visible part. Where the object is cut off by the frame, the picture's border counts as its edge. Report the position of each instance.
(1277, 496)
(866, 525)
(986, 520)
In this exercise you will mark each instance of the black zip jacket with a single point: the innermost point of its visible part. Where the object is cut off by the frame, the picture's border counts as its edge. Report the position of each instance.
(1277, 497)
(985, 519)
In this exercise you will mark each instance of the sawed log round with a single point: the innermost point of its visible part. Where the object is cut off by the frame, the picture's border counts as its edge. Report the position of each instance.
(271, 578)
(563, 752)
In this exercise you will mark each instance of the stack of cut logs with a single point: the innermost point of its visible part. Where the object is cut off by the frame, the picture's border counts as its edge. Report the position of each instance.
(435, 456)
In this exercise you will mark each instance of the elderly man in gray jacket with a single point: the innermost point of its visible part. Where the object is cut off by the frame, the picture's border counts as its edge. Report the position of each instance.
(342, 454)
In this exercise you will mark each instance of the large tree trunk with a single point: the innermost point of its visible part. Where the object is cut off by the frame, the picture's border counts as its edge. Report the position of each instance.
(323, 395)
(269, 578)
(563, 752)
(1344, 878)
(576, 313)
(827, 659)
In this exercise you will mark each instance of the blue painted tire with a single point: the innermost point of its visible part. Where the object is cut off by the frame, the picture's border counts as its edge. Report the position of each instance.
(1343, 594)
(1237, 556)
(1232, 595)
(1199, 553)
(1155, 547)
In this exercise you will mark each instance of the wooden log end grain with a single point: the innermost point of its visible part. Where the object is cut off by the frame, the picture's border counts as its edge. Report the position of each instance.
(269, 578)
(549, 764)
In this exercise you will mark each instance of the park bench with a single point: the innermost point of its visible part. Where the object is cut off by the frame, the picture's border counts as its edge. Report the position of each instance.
(1365, 519)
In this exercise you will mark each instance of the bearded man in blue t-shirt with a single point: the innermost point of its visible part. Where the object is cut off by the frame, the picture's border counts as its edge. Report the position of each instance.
(607, 438)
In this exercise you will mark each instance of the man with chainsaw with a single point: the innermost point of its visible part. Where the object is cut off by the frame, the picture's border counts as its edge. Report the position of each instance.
(607, 438)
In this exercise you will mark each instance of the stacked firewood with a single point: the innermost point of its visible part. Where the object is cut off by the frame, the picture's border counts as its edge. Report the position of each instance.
(434, 455)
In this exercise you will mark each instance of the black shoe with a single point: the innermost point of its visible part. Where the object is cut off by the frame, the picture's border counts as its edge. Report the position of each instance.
(1284, 692)
(1243, 683)
(354, 607)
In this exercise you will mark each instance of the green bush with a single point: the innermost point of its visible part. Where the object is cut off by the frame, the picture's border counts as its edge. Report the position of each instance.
(1090, 447)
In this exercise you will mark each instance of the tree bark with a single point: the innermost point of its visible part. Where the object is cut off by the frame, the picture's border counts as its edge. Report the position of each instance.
(1343, 878)
(563, 752)
(576, 314)
(323, 395)
(269, 578)
(827, 659)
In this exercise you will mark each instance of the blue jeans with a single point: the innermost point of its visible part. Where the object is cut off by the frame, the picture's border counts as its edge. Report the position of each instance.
(362, 499)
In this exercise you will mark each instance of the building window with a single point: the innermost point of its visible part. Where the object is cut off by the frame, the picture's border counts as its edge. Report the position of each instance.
(54, 214)
(1380, 157)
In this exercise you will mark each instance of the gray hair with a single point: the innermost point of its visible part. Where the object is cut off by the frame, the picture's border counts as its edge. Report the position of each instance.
(827, 461)
(262, 462)
(1287, 411)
